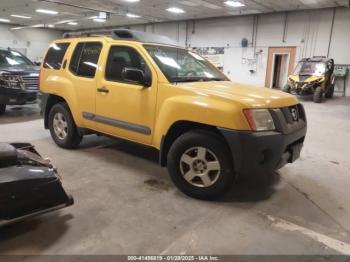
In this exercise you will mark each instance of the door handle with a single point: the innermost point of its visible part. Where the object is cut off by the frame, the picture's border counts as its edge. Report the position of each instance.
(103, 90)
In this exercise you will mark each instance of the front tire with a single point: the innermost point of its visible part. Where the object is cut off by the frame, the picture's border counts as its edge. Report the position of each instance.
(330, 92)
(200, 165)
(286, 88)
(318, 95)
(62, 127)
(2, 109)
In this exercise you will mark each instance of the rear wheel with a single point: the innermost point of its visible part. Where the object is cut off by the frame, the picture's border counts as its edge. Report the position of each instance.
(200, 165)
(330, 92)
(318, 95)
(62, 127)
(2, 109)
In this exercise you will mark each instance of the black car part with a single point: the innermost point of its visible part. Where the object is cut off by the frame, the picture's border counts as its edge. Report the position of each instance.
(29, 184)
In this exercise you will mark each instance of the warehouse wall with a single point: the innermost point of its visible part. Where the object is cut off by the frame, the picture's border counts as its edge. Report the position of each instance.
(309, 31)
(33, 42)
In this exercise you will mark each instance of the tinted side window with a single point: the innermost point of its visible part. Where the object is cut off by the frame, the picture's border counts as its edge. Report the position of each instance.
(73, 67)
(120, 57)
(85, 58)
(54, 57)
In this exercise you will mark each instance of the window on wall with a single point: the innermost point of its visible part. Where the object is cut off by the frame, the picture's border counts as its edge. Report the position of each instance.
(55, 55)
(120, 57)
(85, 59)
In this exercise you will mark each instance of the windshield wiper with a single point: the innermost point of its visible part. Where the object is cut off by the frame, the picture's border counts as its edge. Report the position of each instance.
(215, 79)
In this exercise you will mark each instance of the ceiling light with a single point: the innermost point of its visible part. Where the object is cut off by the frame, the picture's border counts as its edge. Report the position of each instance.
(46, 11)
(38, 25)
(50, 26)
(102, 15)
(21, 16)
(132, 15)
(4, 20)
(64, 22)
(234, 4)
(72, 23)
(175, 10)
(99, 20)
(131, 1)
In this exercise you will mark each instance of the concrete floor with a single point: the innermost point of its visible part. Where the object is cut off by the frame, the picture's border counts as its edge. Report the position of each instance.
(126, 203)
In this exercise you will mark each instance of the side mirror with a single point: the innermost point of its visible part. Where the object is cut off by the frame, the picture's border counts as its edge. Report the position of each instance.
(136, 76)
(37, 63)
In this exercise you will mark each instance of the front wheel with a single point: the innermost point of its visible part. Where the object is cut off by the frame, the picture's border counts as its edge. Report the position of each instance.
(62, 127)
(200, 165)
(330, 92)
(2, 109)
(318, 95)
(286, 88)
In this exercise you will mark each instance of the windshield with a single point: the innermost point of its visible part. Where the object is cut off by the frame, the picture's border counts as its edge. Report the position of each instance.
(180, 65)
(11, 58)
(310, 68)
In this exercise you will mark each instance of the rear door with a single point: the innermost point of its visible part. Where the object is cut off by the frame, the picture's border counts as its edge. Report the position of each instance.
(82, 70)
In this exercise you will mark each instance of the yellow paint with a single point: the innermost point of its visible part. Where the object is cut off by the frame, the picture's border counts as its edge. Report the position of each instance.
(307, 81)
(159, 106)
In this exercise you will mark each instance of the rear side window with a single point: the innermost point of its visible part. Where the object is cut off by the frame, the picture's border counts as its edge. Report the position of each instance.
(55, 54)
(85, 58)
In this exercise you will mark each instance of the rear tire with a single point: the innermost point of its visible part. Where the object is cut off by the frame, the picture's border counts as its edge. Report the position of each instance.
(286, 89)
(2, 109)
(330, 92)
(62, 127)
(318, 95)
(200, 165)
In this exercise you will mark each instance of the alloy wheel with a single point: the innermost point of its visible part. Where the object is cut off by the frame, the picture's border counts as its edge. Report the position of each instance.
(60, 126)
(200, 167)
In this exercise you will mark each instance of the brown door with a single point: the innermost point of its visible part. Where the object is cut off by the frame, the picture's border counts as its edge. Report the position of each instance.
(274, 64)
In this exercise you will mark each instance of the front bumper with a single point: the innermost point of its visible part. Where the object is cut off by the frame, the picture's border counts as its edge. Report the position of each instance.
(29, 184)
(17, 96)
(303, 90)
(263, 152)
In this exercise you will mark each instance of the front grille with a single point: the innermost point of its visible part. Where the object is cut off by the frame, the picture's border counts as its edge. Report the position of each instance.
(31, 82)
(289, 119)
(294, 113)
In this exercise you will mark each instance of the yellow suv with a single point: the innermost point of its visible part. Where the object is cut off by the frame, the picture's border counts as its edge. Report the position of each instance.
(143, 88)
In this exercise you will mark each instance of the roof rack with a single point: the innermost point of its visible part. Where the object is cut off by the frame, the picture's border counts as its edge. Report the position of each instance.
(124, 34)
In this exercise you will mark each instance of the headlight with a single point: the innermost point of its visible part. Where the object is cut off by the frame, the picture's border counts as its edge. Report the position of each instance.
(11, 81)
(259, 119)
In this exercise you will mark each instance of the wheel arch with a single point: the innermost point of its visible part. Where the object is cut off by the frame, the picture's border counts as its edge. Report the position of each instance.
(51, 101)
(176, 130)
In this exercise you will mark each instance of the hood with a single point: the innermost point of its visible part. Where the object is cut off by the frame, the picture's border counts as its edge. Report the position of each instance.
(20, 70)
(305, 78)
(248, 96)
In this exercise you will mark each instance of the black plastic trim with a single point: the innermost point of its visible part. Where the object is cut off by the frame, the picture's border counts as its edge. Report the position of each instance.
(263, 152)
(42, 101)
(117, 123)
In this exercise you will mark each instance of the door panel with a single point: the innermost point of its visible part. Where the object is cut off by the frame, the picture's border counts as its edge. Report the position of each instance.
(82, 71)
(125, 109)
